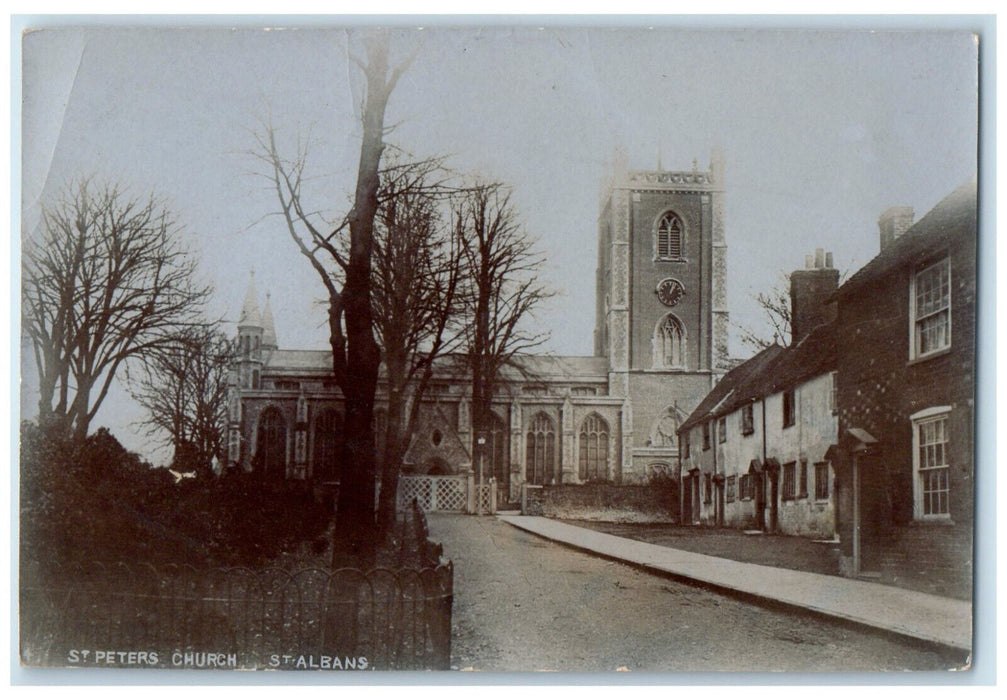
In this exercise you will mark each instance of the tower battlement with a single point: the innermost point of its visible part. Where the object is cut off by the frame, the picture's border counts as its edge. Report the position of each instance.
(662, 179)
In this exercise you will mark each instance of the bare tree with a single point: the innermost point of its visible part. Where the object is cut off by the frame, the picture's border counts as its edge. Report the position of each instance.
(106, 280)
(777, 313)
(775, 305)
(183, 387)
(503, 289)
(345, 268)
(417, 276)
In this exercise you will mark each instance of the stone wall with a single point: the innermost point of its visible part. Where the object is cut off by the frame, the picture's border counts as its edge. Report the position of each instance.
(603, 502)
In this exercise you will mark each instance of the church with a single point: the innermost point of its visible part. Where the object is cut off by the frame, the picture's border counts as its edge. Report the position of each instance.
(660, 344)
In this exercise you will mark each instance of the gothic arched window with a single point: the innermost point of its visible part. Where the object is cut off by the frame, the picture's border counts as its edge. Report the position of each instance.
(271, 444)
(497, 454)
(669, 343)
(540, 465)
(380, 425)
(669, 237)
(593, 448)
(664, 432)
(327, 429)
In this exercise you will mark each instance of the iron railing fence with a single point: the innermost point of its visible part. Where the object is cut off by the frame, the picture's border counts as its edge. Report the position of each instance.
(179, 616)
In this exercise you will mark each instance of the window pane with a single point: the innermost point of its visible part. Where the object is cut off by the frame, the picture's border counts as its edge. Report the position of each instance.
(933, 308)
(934, 471)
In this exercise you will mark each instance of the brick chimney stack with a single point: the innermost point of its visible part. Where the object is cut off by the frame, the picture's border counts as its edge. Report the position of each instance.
(893, 222)
(809, 290)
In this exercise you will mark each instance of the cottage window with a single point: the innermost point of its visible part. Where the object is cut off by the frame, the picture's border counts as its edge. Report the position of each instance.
(747, 419)
(789, 408)
(930, 301)
(706, 436)
(747, 492)
(789, 479)
(669, 343)
(931, 464)
(803, 483)
(730, 488)
(669, 237)
(722, 429)
(822, 481)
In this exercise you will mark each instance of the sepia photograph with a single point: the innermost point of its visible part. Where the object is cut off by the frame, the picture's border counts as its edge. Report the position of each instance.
(349, 346)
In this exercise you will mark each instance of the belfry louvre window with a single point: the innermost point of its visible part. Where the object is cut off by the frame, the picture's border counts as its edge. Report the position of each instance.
(931, 309)
(933, 470)
(669, 237)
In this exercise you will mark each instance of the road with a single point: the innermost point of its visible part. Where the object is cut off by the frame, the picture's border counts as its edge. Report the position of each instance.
(522, 603)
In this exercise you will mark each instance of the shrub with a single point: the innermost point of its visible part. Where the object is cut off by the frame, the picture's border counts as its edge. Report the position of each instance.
(96, 501)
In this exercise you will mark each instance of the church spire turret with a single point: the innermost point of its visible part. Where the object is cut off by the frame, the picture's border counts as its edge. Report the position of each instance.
(250, 316)
(268, 326)
(250, 339)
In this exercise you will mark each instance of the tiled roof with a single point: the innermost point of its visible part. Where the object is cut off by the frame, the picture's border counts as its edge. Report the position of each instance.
(738, 377)
(772, 370)
(535, 367)
(953, 216)
(300, 359)
(563, 366)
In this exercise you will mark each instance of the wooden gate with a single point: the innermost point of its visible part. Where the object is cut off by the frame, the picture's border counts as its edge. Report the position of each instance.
(449, 493)
(434, 493)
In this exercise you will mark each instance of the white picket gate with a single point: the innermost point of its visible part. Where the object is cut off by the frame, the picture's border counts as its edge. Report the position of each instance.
(446, 494)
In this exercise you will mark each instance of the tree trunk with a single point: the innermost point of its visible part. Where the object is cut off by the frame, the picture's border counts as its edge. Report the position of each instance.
(391, 464)
(355, 535)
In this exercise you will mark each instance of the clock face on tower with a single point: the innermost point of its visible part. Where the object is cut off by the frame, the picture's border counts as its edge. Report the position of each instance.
(670, 291)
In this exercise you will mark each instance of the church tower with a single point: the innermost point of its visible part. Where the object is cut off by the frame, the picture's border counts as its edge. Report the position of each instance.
(661, 304)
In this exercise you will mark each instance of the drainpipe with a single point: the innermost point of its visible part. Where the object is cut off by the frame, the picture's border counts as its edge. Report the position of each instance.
(764, 468)
(856, 515)
(713, 476)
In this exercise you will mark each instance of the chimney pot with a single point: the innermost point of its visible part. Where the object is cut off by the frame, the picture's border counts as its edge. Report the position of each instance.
(819, 258)
(828, 260)
(809, 262)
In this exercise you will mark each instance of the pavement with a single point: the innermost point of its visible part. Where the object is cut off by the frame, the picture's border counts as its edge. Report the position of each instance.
(922, 616)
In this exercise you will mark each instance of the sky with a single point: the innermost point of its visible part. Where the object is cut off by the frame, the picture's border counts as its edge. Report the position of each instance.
(821, 130)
